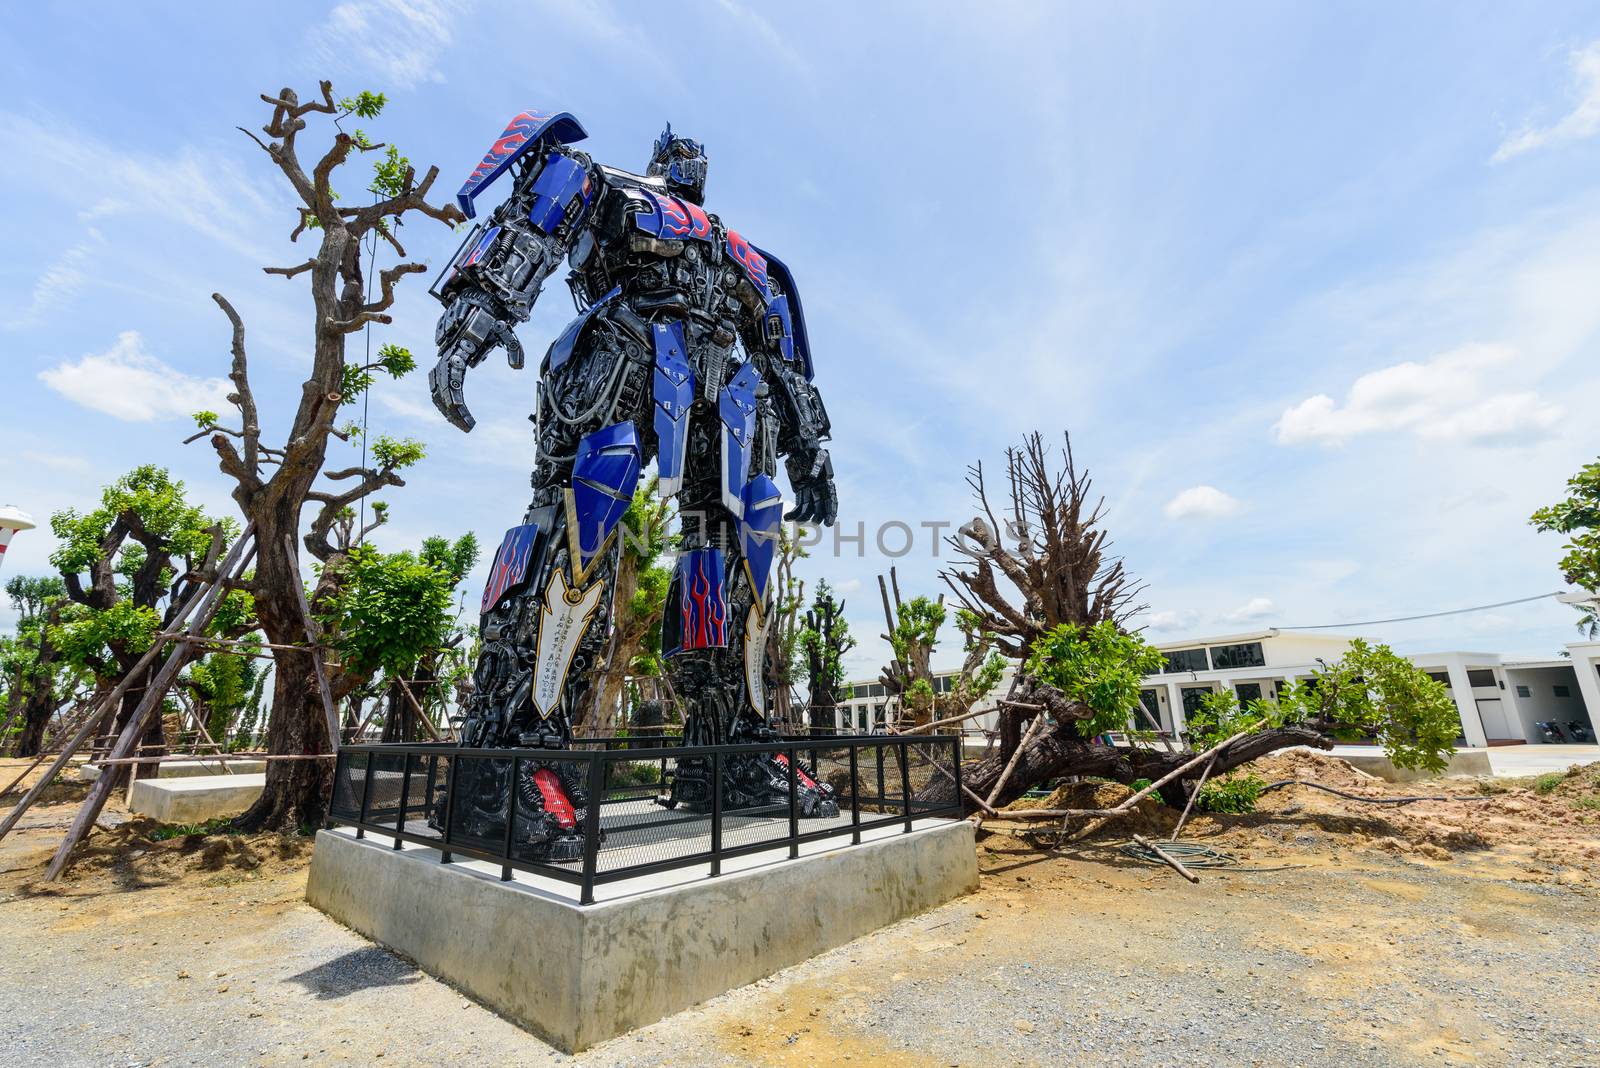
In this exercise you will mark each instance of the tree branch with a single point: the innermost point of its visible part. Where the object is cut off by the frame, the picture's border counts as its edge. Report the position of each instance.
(299, 268)
(242, 398)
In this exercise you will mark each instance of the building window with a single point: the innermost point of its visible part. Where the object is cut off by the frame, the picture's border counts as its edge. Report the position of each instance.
(1248, 691)
(1192, 697)
(1187, 660)
(1562, 691)
(1148, 699)
(1523, 691)
(1441, 677)
(861, 719)
(1480, 677)
(1238, 656)
(876, 690)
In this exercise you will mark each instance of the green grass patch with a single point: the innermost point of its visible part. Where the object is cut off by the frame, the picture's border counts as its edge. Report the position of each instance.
(1544, 784)
(168, 831)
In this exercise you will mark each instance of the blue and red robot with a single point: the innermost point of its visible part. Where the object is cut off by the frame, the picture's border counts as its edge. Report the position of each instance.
(689, 349)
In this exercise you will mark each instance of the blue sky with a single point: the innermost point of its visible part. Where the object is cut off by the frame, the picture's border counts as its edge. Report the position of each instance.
(1313, 288)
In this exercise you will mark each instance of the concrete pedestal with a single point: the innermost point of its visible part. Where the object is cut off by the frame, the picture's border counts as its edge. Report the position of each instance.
(195, 799)
(577, 975)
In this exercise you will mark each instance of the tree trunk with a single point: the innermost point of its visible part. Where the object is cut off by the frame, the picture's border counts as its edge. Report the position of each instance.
(297, 791)
(37, 709)
(396, 715)
(1053, 754)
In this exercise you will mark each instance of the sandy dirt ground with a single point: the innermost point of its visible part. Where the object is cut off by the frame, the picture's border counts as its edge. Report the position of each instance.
(1440, 933)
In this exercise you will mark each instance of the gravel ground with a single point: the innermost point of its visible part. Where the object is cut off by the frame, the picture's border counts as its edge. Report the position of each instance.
(1357, 959)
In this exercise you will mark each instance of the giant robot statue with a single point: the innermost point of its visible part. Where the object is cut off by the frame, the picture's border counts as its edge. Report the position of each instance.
(690, 348)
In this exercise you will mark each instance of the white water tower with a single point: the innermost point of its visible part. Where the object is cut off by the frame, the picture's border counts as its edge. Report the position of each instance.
(12, 519)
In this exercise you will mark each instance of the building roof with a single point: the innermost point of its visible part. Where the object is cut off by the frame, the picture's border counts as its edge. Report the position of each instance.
(1254, 636)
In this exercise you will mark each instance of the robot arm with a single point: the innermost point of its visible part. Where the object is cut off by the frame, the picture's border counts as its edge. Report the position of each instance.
(802, 420)
(497, 274)
(802, 428)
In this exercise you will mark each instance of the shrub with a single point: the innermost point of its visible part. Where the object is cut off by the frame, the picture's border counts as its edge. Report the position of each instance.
(1236, 795)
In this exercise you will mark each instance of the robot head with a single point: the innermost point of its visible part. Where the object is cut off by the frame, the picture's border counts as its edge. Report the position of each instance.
(682, 163)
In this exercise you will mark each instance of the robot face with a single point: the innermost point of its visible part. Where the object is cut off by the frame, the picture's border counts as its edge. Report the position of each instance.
(682, 162)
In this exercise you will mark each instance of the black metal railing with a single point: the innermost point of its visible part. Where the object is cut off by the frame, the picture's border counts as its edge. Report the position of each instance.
(464, 802)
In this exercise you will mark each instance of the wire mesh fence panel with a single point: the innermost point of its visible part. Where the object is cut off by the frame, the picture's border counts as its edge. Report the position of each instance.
(384, 784)
(349, 786)
(926, 764)
(879, 784)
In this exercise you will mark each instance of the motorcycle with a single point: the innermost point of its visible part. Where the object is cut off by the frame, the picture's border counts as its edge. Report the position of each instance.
(1551, 731)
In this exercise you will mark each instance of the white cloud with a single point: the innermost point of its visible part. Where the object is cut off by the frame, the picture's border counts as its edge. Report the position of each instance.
(1202, 502)
(1447, 398)
(58, 282)
(208, 192)
(1174, 619)
(399, 41)
(127, 382)
(1581, 122)
(1253, 609)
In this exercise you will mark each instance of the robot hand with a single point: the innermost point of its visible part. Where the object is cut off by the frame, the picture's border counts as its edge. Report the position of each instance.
(470, 328)
(816, 499)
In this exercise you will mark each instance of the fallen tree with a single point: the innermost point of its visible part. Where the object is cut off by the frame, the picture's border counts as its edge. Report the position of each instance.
(1045, 591)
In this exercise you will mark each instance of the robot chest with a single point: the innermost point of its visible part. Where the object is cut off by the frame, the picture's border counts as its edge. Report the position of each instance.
(670, 218)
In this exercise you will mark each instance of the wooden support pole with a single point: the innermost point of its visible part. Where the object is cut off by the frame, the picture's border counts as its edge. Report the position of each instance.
(422, 716)
(114, 698)
(1171, 860)
(1127, 806)
(315, 651)
(215, 592)
(1193, 796)
(1033, 728)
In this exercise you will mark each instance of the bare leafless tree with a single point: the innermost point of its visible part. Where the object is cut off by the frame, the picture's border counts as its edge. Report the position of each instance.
(1042, 562)
(273, 483)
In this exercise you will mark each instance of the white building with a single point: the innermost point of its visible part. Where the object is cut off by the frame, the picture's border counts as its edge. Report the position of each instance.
(1500, 699)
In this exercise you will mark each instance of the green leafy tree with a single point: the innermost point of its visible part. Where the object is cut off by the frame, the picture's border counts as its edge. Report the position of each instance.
(124, 567)
(1578, 516)
(1098, 669)
(220, 684)
(913, 637)
(390, 614)
(36, 678)
(826, 639)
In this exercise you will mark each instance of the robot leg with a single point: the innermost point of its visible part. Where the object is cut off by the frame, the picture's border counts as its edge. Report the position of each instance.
(546, 614)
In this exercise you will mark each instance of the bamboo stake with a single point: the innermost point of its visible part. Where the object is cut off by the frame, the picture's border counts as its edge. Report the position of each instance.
(112, 699)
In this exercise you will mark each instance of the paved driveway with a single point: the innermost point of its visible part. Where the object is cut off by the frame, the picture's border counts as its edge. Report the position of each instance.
(1538, 759)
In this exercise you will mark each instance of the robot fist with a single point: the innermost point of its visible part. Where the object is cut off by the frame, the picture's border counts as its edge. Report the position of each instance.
(816, 499)
(468, 331)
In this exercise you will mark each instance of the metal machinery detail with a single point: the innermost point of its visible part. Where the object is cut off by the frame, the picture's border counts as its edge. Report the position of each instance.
(689, 348)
